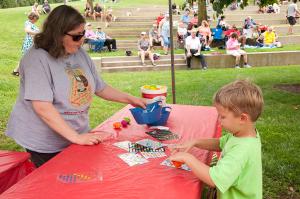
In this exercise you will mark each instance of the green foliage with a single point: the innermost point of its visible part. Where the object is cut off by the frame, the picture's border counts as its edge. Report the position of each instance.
(264, 3)
(7, 4)
(219, 5)
(21, 3)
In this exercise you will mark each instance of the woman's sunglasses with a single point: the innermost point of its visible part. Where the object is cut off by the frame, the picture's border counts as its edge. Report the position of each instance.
(76, 37)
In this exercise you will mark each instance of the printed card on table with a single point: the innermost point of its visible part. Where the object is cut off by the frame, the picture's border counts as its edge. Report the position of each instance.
(150, 144)
(168, 163)
(133, 159)
(158, 154)
(123, 145)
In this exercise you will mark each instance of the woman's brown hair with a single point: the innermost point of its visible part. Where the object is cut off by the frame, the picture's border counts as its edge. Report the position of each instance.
(60, 21)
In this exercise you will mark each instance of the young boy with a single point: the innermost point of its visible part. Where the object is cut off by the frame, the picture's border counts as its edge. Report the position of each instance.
(238, 174)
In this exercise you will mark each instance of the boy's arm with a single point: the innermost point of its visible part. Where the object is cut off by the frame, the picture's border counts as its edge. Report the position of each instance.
(200, 169)
(211, 144)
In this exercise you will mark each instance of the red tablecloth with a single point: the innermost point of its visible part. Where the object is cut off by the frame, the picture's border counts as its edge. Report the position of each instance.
(150, 180)
(13, 167)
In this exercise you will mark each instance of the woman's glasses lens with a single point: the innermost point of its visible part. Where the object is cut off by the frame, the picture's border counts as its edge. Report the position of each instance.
(76, 37)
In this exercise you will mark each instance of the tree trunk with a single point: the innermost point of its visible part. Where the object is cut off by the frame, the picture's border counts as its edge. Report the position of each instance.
(202, 13)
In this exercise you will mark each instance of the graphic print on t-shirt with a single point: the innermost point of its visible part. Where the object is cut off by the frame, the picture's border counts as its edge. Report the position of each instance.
(80, 93)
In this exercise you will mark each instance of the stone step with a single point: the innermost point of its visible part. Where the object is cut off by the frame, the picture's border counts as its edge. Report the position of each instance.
(255, 16)
(135, 58)
(254, 59)
(138, 63)
(141, 68)
(268, 22)
(214, 61)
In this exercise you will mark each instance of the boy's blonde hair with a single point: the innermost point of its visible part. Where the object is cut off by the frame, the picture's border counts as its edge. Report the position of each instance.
(241, 96)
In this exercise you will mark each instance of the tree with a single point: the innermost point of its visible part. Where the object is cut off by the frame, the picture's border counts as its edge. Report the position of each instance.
(263, 3)
(202, 12)
(219, 5)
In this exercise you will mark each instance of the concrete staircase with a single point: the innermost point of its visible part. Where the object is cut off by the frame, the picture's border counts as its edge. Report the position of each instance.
(126, 30)
(133, 63)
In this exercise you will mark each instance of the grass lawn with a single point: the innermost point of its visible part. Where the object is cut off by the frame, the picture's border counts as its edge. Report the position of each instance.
(279, 125)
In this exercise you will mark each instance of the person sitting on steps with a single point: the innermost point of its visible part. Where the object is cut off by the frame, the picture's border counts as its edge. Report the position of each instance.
(144, 49)
(233, 48)
(193, 48)
(108, 41)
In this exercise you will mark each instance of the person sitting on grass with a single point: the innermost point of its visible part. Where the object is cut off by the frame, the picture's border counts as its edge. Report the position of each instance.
(270, 38)
(144, 49)
(98, 12)
(193, 48)
(46, 7)
(241, 37)
(233, 48)
(108, 41)
(109, 17)
(205, 32)
(185, 18)
(35, 9)
(88, 12)
(181, 32)
(238, 174)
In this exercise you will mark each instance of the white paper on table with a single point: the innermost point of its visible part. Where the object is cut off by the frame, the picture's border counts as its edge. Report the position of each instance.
(123, 145)
(133, 159)
(157, 154)
(150, 144)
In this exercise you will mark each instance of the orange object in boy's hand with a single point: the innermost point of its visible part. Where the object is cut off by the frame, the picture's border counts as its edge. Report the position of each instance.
(177, 164)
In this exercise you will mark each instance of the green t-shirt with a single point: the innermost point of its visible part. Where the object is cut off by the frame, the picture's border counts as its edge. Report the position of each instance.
(238, 174)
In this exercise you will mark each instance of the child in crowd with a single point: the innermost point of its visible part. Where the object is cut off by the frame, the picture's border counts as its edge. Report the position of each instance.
(238, 174)
(233, 48)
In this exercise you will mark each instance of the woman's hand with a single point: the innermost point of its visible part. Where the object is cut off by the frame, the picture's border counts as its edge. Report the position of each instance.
(140, 102)
(91, 138)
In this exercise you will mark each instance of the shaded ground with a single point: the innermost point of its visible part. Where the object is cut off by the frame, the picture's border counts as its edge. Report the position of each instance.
(294, 88)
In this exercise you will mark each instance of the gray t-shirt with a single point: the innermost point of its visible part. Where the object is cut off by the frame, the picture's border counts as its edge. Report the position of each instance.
(68, 83)
(291, 10)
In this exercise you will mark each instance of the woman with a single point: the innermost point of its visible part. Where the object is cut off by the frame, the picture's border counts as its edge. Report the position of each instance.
(205, 32)
(164, 32)
(30, 29)
(233, 48)
(144, 49)
(58, 80)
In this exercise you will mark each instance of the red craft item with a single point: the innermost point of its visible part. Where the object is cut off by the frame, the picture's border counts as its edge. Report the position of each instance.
(117, 125)
(124, 123)
(177, 164)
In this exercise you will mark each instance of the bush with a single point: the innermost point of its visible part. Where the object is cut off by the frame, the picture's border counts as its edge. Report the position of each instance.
(7, 4)
(21, 3)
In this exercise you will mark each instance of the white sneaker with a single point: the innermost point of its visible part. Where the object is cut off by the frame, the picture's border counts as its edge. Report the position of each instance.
(247, 66)
(237, 67)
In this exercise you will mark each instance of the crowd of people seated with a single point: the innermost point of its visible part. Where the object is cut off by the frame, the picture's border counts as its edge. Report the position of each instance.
(46, 8)
(99, 12)
(97, 40)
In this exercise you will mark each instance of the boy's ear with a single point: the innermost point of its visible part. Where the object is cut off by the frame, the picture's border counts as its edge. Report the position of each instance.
(244, 117)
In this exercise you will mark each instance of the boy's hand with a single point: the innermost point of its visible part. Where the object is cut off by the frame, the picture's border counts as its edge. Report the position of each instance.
(182, 147)
(179, 157)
